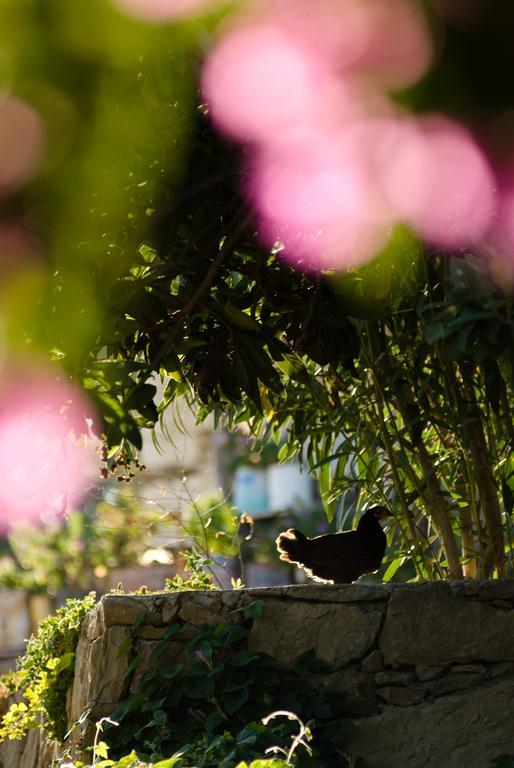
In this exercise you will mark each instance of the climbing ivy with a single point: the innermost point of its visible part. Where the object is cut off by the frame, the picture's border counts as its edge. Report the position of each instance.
(45, 673)
(209, 706)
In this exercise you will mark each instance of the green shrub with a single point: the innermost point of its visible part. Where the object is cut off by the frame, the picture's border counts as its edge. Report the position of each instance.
(44, 674)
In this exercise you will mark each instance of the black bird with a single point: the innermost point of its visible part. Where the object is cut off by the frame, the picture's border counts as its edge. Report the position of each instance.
(338, 557)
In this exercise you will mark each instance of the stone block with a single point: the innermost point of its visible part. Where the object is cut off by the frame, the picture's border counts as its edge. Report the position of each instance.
(497, 590)
(401, 696)
(498, 670)
(327, 593)
(428, 673)
(169, 611)
(339, 633)
(128, 610)
(469, 669)
(428, 622)
(357, 690)
(104, 679)
(206, 608)
(451, 683)
(465, 729)
(394, 677)
(506, 604)
(373, 662)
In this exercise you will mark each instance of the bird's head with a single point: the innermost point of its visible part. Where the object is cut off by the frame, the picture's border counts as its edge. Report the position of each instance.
(379, 513)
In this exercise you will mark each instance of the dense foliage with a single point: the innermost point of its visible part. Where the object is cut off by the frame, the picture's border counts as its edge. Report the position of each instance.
(394, 381)
(209, 704)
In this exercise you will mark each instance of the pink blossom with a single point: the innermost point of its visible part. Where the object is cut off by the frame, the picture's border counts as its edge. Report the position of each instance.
(439, 180)
(21, 143)
(317, 197)
(386, 40)
(46, 458)
(258, 82)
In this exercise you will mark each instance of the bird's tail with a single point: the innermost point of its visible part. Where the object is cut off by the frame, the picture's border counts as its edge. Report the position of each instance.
(292, 546)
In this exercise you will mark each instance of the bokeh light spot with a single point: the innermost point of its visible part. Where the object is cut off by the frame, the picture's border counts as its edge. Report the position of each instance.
(21, 143)
(47, 459)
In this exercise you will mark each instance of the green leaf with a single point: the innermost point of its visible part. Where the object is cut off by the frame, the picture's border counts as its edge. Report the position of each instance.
(127, 761)
(242, 658)
(254, 610)
(101, 750)
(393, 567)
(233, 701)
(140, 396)
(124, 647)
(172, 630)
(136, 661)
(503, 761)
(169, 763)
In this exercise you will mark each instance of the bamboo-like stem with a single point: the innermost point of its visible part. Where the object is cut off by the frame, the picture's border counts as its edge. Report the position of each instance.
(469, 566)
(379, 398)
(431, 491)
(469, 474)
(397, 479)
(473, 427)
(505, 411)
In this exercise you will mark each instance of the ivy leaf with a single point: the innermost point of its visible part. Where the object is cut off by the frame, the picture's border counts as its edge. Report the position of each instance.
(254, 610)
(124, 647)
(231, 702)
(169, 763)
(242, 658)
(101, 750)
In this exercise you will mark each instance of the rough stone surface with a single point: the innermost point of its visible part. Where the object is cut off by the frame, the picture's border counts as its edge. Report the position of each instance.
(427, 622)
(169, 612)
(395, 677)
(373, 663)
(498, 670)
(102, 674)
(339, 633)
(472, 669)
(356, 687)
(497, 590)
(326, 593)
(401, 696)
(128, 610)
(428, 673)
(451, 683)
(468, 729)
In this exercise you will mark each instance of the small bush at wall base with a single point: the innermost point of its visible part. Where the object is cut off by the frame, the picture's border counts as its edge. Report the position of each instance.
(45, 673)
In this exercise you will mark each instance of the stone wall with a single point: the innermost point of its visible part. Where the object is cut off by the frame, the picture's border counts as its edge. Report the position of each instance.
(427, 670)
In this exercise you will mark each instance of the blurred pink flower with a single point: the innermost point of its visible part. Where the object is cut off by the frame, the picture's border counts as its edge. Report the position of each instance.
(47, 460)
(386, 40)
(318, 198)
(164, 10)
(438, 180)
(21, 143)
(258, 82)
(18, 248)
